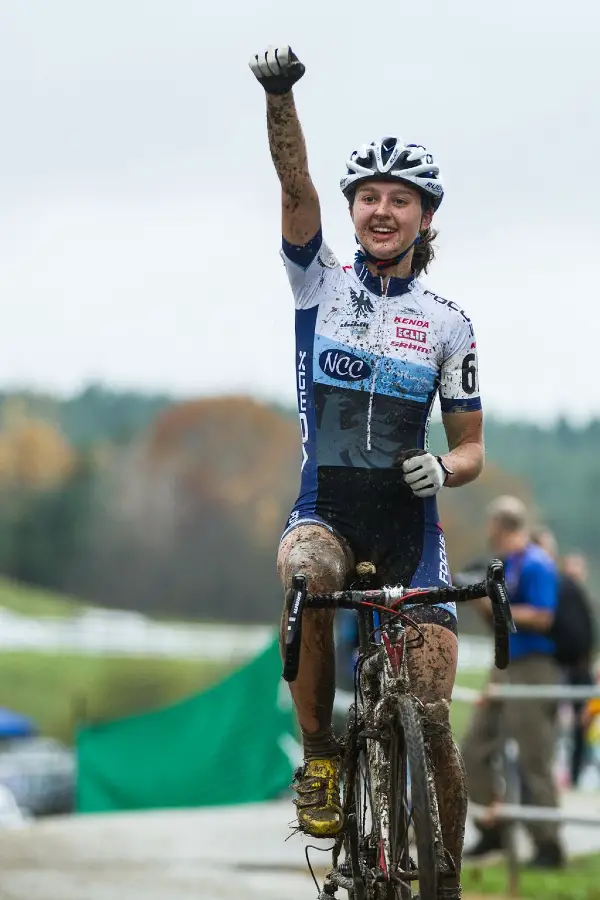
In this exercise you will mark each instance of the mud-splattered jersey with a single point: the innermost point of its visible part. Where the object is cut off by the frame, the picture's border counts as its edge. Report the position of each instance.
(369, 362)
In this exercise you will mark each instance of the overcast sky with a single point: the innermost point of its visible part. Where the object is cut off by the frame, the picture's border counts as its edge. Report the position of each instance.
(139, 213)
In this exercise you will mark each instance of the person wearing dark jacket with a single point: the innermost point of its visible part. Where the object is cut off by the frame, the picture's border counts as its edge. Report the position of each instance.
(574, 634)
(579, 671)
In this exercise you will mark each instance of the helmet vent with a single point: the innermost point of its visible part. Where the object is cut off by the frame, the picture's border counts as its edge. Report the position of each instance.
(387, 148)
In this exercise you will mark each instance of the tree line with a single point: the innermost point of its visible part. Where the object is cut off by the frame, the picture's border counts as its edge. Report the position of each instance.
(175, 508)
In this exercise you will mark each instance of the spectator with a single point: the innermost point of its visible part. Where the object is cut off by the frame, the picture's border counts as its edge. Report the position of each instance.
(573, 632)
(546, 539)
(532, 582)
(576, 567)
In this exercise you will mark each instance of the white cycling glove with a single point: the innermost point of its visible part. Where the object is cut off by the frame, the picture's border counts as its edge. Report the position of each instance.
(424, 474)
(277, 69)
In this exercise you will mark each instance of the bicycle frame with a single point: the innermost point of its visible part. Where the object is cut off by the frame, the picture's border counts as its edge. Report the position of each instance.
(382, 667)
(383, 695)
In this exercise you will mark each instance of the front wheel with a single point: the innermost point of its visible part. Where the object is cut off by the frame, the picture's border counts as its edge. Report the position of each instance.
(408, 747)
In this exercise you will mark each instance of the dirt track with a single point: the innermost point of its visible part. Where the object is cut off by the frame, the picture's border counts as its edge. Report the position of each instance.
(217, 854)
(221, 855)
(151, 857)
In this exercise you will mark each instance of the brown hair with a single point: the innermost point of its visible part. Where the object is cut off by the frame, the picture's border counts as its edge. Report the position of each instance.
(424, 251)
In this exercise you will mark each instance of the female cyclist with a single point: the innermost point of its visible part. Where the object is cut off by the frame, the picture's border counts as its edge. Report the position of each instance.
(373, 348)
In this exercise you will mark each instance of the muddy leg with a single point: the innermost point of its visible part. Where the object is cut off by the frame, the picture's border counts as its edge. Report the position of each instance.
(313, 551)
(432, 670)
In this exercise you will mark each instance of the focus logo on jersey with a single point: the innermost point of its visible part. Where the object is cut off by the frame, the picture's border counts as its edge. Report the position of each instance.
(343, 366)
(444, 573)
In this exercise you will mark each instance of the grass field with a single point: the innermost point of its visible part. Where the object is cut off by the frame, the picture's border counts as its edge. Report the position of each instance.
(30, 601)
(580, 881)
(57, 690)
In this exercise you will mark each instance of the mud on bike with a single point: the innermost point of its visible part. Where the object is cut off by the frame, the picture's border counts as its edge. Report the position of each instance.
(384, 744)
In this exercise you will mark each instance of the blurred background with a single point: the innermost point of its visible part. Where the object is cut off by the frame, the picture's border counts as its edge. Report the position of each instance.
(149, 450)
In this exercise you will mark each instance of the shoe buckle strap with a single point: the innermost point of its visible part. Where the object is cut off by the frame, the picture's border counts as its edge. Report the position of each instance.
(311, 792)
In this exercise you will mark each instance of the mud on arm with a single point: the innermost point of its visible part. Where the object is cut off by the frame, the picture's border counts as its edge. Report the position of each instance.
(300, 209)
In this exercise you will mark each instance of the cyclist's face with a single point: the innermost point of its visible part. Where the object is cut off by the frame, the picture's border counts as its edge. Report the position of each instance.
(387, 217)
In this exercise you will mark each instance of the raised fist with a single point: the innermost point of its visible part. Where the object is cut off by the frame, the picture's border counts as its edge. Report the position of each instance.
(277, 68)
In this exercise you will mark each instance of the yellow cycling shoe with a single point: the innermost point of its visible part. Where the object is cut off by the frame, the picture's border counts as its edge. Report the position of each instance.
(318, 802)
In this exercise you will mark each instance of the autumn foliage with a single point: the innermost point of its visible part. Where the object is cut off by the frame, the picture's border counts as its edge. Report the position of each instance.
(33, 453)
(232, 452)
(180, 512)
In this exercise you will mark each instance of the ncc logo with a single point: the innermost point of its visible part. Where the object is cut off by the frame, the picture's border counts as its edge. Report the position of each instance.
(343, 366)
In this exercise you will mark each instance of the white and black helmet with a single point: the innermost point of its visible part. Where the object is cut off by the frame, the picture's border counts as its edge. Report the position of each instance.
(391, 158)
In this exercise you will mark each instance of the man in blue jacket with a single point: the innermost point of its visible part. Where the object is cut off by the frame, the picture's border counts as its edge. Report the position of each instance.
(532, 581)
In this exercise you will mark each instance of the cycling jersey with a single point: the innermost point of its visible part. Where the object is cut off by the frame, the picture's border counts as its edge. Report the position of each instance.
(370, 359)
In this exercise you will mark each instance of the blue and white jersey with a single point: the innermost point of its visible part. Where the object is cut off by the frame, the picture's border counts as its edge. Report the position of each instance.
(370, 362)
(371, 356)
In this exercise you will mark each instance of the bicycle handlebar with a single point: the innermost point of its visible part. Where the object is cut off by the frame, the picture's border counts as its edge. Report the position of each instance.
(493, 587)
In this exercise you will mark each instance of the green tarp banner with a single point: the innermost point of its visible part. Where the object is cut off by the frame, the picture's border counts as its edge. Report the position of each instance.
(231, 744)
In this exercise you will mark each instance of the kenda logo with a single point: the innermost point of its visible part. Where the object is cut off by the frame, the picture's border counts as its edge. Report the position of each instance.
(417, 323)
(343, 366)
(302, 404)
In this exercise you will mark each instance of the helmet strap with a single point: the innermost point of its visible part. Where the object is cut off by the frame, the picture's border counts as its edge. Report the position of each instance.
(363, 256)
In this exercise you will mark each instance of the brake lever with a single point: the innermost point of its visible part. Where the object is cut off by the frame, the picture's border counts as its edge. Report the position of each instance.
(293, 634)
(497, 585)
(503, 620)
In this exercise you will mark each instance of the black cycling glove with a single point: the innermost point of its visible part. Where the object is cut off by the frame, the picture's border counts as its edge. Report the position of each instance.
(278, 69)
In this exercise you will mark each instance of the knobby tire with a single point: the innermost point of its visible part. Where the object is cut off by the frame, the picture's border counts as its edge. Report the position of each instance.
(409, 721)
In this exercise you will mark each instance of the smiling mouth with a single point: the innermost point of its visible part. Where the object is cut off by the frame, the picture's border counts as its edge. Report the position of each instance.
(382, 234)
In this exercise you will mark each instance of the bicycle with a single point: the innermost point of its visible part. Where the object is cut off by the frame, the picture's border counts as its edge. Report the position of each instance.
(384, 741)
